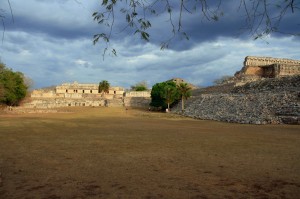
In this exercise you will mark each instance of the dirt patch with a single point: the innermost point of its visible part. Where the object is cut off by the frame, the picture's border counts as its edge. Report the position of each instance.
(119, 153)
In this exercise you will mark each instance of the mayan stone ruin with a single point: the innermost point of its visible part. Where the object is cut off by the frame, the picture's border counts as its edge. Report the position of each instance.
(268, 67)
(265, 91)
(78, 94)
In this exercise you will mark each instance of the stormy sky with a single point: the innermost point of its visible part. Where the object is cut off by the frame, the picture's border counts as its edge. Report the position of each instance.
(51, 42)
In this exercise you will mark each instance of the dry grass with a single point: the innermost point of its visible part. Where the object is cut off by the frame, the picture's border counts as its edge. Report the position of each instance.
(114, 153)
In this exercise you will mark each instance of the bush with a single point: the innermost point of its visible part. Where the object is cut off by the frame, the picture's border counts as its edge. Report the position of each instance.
(141, 86)
(12, 86)
(159, 97)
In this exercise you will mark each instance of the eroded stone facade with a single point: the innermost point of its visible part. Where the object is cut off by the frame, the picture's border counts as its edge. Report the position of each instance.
(77, 94)
(89, 89)
(268, 67)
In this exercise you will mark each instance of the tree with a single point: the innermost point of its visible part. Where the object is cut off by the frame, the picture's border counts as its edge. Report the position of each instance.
(141, 86)
(156, 99)
(169, 94)
(12, 86)
(162, 95)
(103, 87)
(261, 17)
(184, 92)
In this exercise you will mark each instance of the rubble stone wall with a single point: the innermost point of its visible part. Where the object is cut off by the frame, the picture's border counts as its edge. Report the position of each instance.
(56, 103)
(46, 103)
(255, 108)
(272, 101)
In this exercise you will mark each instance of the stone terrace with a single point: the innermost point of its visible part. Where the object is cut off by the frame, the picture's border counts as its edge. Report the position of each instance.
(270, 101)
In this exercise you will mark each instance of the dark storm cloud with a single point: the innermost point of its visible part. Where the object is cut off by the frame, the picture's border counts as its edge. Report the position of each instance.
(50, 28)
(53, 19)
(51, 42)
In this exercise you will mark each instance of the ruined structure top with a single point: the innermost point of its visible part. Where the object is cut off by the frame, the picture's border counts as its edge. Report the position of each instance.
(268, 67)
(264, 61)
(86, 88)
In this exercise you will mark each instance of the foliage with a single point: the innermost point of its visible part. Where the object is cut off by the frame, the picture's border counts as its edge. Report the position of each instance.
(2, 17)
(164, 94)
(12, 86)
(184, 92)
(141, 86)
(261, 17)
(169, 94)
(103, 86)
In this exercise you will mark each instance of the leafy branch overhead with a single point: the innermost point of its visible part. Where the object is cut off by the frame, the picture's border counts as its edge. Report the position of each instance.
(261, 17)
(2, 16)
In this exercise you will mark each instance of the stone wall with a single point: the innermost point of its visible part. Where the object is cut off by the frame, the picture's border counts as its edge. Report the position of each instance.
(257, 108)
(44, 103)
(86, 100)
(286, 70)
(138, 94)
(55, 103)
(137, 101)
(272, 101)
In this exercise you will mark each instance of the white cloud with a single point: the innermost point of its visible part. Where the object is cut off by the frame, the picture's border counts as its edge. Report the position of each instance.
(83, 63)
(25, 53)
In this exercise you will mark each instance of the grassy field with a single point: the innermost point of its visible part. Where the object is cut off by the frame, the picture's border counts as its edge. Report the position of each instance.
(114, 153)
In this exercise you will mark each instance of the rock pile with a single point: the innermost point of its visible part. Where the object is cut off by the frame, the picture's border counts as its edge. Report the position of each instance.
(291, 83)
(270, 101)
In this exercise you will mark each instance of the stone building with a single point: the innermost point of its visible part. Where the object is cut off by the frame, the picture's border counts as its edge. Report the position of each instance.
(268, 67)
(77, 88)
(78, 94)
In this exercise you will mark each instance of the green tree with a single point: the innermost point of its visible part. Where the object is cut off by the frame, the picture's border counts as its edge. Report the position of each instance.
(103, 87)
(141, 86)
(156, 99)
(261, 17)
(184, 92)
(169, 94)
(162, 93)
(12, 86)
